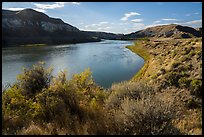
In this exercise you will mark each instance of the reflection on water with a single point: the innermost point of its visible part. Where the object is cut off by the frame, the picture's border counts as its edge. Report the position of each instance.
(108, 60)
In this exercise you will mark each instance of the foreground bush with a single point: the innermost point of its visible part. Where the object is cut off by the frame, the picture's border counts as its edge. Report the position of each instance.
(38, 98)
(40, 103)
(141, 111)
(35, 79)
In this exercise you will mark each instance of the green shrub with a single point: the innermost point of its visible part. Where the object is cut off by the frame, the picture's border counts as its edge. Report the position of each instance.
(172, 78)
(184, 82)
(75, 105)
(17, 110)
(34, 80)
(192, 53)
(175, 65)
(173, 53)
(186, 51)
(185, 58)
(196, 87)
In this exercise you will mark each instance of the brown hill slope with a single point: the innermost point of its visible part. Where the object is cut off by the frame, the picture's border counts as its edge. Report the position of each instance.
(174, 66)
(166, 31)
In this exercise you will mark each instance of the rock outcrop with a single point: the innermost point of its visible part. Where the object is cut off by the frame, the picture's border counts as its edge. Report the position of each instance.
(31, 27)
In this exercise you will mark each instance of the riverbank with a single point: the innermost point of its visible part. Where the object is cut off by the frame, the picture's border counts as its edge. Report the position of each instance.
(174, 66)
(142, 52)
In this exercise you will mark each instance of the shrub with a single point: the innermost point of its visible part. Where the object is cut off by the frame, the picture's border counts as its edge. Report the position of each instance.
(196, 87)
(186, 51)
(68, 104)
(192, 53)
(185, 58)
(149, 115)
(34, 80)
(17, 110)
(184, 82)
(172, 78)
(173, 53)
(122, 90)
(175, 65)
(136, 109)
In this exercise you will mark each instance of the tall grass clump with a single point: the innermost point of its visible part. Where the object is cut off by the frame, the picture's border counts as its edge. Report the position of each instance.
(139, 110)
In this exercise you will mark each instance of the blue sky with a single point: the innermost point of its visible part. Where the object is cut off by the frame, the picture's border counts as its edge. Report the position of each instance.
(117, 17)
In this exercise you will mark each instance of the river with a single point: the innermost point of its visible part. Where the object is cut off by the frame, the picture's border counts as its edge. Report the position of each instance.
(108, 60)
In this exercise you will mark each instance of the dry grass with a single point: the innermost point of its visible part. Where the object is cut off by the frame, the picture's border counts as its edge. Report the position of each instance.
(160, 100)
(180, 58)
(139, 110)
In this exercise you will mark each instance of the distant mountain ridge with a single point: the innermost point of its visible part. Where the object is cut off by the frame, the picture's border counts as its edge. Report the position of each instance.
(104, 35)
(172, 30)
(29, 27)
(32, 27)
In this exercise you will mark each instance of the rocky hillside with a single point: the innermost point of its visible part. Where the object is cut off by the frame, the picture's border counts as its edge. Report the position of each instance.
(166, 31)
(31, 27)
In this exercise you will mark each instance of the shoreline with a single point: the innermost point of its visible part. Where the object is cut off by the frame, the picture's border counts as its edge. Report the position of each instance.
(138, 49)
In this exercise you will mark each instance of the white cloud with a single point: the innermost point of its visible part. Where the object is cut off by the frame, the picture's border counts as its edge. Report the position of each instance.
(137, 20)
(40, 10)
(76, 3)
(54, 5)
(170, 19)
(49, 6)
(194, 22)
(104, 22)
(14, 9)
(157, 21)
(128, 15)
(196, 13)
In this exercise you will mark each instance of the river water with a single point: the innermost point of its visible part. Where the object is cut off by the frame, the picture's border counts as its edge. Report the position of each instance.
(108, 60)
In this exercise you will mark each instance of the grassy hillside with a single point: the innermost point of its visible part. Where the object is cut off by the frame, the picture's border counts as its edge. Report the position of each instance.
(164, 98)
(175, 66)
